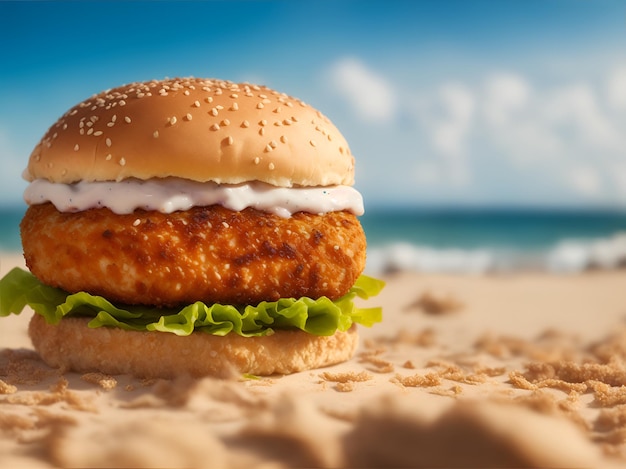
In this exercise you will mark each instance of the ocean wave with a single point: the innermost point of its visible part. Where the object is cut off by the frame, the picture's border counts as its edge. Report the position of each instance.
(567, 256)
(575, 256)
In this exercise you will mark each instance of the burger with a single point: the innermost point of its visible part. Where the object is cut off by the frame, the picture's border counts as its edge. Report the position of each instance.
(192, 226)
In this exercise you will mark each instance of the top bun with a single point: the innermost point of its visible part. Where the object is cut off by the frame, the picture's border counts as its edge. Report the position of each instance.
(197, 129)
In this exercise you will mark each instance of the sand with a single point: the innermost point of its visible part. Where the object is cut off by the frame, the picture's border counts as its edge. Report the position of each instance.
(522, 370)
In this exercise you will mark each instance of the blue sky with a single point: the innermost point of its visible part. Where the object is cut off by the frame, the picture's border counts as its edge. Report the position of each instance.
(443, 102)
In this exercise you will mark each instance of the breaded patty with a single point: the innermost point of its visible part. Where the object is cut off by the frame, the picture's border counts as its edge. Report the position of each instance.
(210, 254)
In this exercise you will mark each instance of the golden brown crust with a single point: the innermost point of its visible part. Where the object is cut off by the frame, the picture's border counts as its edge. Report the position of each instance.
(71, 345)
(203, 130)
(209, 254)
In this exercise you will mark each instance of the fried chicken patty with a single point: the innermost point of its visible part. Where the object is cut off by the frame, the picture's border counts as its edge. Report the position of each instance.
(208, 254)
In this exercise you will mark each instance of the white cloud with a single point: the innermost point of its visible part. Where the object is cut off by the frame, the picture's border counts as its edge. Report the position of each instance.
(577, 106)
(514, 121)
(616, 88)
(502, 137)
(584, 179)
(530, 131)
(506, 95)
(427, 173)
(371, 96)
(617, 176)
(450, 132)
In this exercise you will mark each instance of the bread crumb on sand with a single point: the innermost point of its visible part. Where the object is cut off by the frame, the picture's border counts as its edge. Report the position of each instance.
(530, 372)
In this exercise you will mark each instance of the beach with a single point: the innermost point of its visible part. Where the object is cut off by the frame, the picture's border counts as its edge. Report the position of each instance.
(485, 370)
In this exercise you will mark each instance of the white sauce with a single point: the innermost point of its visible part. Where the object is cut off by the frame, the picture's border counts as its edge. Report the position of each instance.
(172, 194)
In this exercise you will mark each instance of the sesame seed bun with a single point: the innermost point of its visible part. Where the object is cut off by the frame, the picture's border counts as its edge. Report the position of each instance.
(202, 130)
(71, 345)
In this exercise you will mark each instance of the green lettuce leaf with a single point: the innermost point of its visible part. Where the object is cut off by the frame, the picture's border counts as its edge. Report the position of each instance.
(322, 316)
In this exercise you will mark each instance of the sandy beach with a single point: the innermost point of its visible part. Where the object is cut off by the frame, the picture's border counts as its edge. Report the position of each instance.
(525, 369)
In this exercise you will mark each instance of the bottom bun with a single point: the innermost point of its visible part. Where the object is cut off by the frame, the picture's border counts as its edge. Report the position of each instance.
(72, 345)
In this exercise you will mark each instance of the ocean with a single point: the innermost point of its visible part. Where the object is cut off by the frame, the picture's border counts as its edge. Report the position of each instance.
(494, 240)
(467, 241)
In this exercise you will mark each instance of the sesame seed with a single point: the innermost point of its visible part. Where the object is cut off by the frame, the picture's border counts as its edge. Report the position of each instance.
(257, 160)
(234, 107)
(186, 92)
(137, 222)
(173, 120)
(229, 140)
(127, 119)
(268, 148)
(108, 142)
(110, 124)
(196, 103)
(76, 147)
(108, 157)
(214, 112)
(234, 95)
(262, 122)
(273, 144)
(97, 133)
(294, 118)
(336, 247)
(271, 166)
(81, 131)
(155, 134)
(312, 142)
(90, 131)
(245, 124)
(261, 131)
(215, 127)
(122, 161)
(122, 102)
(114, 118)
(260, 106)
(209, 99)
(64, 126)
(73, 112)
(277, 110)
(225, 122)
(225, 225)
(188, 116)
(283, 138)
